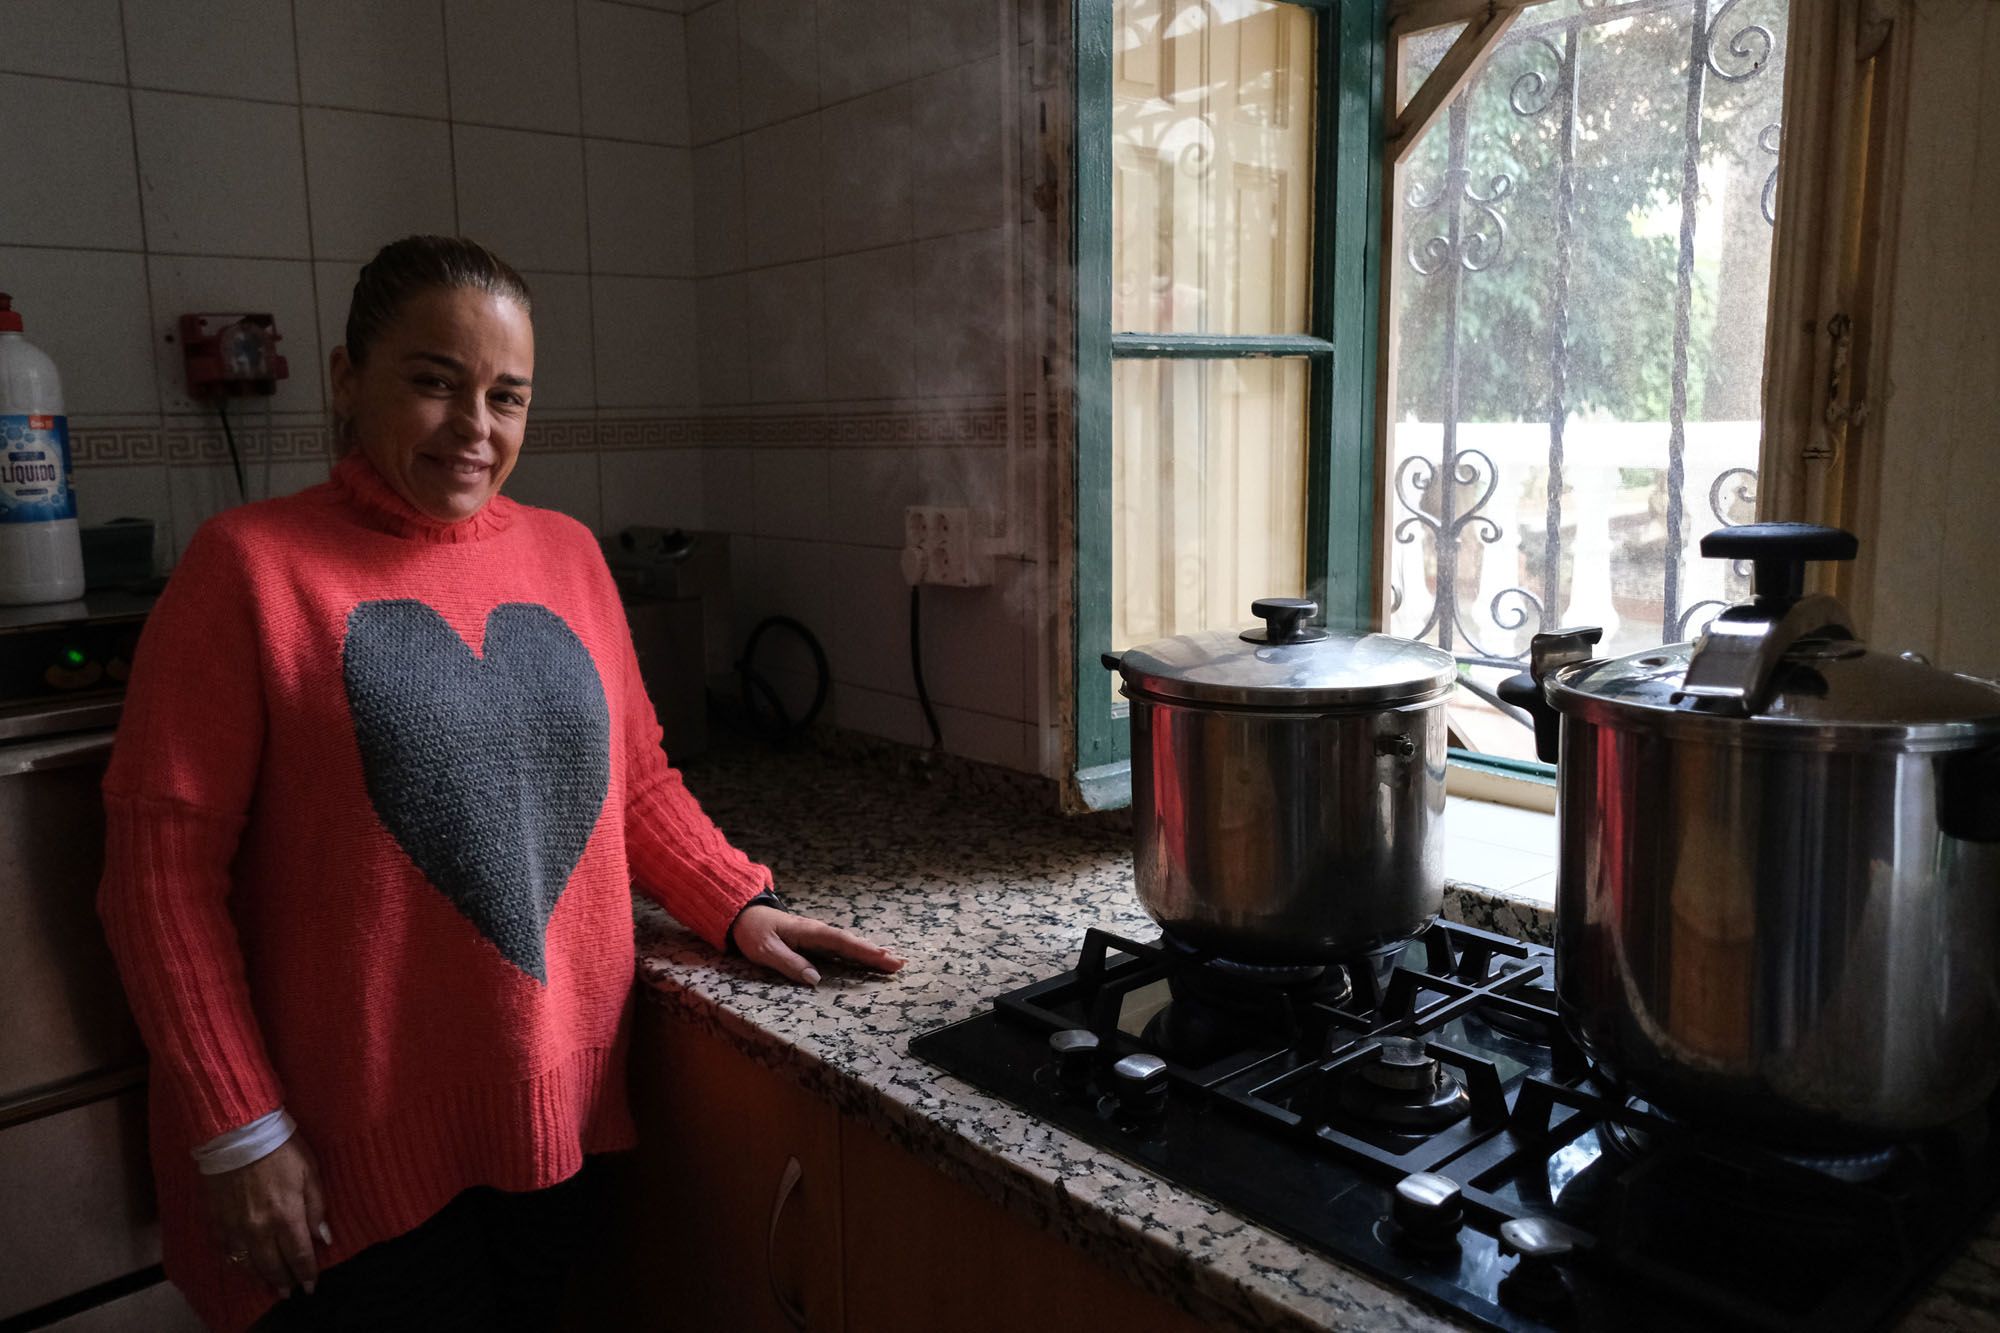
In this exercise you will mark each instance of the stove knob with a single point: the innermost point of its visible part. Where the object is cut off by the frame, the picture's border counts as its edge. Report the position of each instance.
(1544, 1246)
(1140, 1083)
(1076, 1057)
(1427, 1210)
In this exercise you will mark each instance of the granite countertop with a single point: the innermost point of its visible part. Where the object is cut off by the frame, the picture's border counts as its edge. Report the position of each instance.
(983, 891)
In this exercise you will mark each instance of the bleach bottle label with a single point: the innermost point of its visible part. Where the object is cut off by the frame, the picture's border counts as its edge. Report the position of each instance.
(35, 482)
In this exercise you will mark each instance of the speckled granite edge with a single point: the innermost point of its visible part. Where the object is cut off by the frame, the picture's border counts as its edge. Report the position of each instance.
(1513, 914)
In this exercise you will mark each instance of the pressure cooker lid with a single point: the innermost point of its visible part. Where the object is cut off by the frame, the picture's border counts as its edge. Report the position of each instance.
(1824, 685)
(1785, 666)
(1287, 662)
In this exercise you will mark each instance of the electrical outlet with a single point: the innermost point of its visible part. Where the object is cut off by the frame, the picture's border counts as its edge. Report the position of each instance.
(916, 545)
(943, 545)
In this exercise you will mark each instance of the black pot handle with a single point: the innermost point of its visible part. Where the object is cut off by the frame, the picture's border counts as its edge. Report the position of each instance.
(1969, 807)
(1112, 661)
(1525, 693)
(1286, 620)
(1549, 653)
(1779, 552)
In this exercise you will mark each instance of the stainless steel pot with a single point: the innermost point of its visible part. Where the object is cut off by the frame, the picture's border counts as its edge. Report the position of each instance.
(1288, 786)
(1778, 904)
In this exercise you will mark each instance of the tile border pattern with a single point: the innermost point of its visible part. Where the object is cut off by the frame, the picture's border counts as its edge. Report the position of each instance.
(976, 424)
(911, 427)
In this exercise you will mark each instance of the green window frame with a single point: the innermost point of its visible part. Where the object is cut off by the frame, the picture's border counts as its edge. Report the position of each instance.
(1341, 348)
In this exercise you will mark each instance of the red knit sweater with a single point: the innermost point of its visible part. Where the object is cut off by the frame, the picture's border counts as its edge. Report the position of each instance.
(381, 791)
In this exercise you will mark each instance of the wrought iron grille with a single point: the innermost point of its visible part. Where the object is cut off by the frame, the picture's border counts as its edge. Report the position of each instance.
(1493, 218)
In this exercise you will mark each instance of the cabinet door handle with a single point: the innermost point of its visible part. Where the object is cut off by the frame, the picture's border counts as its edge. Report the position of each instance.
(40, 756)
(793, 1311)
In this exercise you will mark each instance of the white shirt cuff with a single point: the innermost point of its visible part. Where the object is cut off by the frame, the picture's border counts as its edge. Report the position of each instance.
(245, 1144)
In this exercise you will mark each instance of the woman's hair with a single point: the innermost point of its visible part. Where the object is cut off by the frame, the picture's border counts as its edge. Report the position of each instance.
(408, 268)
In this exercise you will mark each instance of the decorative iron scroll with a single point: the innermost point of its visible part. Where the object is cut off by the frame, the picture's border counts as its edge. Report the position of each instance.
(1744, 493)
(1768, 139)
(1458, 230)
(1750, 47)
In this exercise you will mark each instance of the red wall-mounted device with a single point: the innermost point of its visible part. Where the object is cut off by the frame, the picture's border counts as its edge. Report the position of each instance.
(231, 356)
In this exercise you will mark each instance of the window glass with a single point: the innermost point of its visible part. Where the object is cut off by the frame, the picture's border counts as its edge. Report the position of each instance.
(1579, 271)
(1208, 492)
(1212, 135)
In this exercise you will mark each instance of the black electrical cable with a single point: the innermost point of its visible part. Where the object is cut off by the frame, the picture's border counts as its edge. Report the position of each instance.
(771, 716)
(917, 663)
(229, 437)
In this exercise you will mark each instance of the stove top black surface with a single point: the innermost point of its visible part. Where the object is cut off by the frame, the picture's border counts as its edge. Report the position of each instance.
(1423, 1117)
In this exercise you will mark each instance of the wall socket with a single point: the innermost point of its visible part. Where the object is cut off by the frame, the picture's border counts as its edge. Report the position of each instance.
(945, 546)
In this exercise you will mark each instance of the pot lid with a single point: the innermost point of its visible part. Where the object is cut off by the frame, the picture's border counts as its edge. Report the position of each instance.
(1827, 688)
(1286, 662)
(1785, 666)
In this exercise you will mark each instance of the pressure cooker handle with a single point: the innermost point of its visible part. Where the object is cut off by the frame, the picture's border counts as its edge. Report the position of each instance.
(1549, 653)
(1525, 693)
(1778, 553)
(1970, 801)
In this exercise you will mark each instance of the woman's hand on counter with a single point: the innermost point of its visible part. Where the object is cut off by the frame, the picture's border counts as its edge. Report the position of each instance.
(778, 940)
(270, 1211)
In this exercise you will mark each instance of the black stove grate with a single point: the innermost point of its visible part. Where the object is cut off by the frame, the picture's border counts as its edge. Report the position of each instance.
(1309, 1098)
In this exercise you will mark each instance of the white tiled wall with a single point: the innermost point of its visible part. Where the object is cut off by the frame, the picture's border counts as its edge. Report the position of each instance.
(165, 157)
(785, 212)
(638, 64)
(848, 227)
(226, 48)
(373, 55)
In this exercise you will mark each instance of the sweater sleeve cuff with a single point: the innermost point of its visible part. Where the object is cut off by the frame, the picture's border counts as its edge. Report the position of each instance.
(681, 861)
(768, 898)
(246, 1144)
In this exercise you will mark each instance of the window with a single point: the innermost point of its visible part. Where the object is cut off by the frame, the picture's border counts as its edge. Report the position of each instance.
(1576, 244)
(1578, 276)
(1224, 386)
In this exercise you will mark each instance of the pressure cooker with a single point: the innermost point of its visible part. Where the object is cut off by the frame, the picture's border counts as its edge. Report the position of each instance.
(1287, 786)
(1778, 899)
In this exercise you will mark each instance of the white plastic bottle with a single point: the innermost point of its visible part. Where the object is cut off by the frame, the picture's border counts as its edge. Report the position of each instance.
(41, 556)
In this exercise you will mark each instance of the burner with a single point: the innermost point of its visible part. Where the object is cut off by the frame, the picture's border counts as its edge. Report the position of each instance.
(1541, 993)
(1328, 985)
(1629, 1141)
(1404, 1087)
(1858, 1168)
(1221, 1006)
(1258, 974)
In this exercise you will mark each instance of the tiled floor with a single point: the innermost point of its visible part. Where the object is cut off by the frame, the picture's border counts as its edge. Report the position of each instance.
(1500, 847)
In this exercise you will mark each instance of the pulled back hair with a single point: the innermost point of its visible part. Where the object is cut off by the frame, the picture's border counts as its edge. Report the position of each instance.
(408, 268)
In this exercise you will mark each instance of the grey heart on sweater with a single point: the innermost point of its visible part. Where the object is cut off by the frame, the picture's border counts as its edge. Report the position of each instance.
(489, 770)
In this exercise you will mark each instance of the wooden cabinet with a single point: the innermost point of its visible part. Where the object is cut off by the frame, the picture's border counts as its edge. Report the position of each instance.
(155, 1309)
(736, 1219)
(925, 1252)
(757, 1206)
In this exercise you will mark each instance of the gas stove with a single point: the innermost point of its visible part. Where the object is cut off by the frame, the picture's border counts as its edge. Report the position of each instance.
(1422, 1116)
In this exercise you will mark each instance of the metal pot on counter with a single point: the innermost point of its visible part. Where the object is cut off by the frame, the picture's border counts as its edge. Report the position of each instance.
(1288, 786)
(1778, 903)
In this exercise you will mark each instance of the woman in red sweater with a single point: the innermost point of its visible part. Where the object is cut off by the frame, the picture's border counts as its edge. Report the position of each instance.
(385, 779)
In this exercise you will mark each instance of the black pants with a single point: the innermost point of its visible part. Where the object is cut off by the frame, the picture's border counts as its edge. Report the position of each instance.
(489, 1260)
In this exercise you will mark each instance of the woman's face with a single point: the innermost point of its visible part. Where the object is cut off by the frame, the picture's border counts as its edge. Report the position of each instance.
(441, 403)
